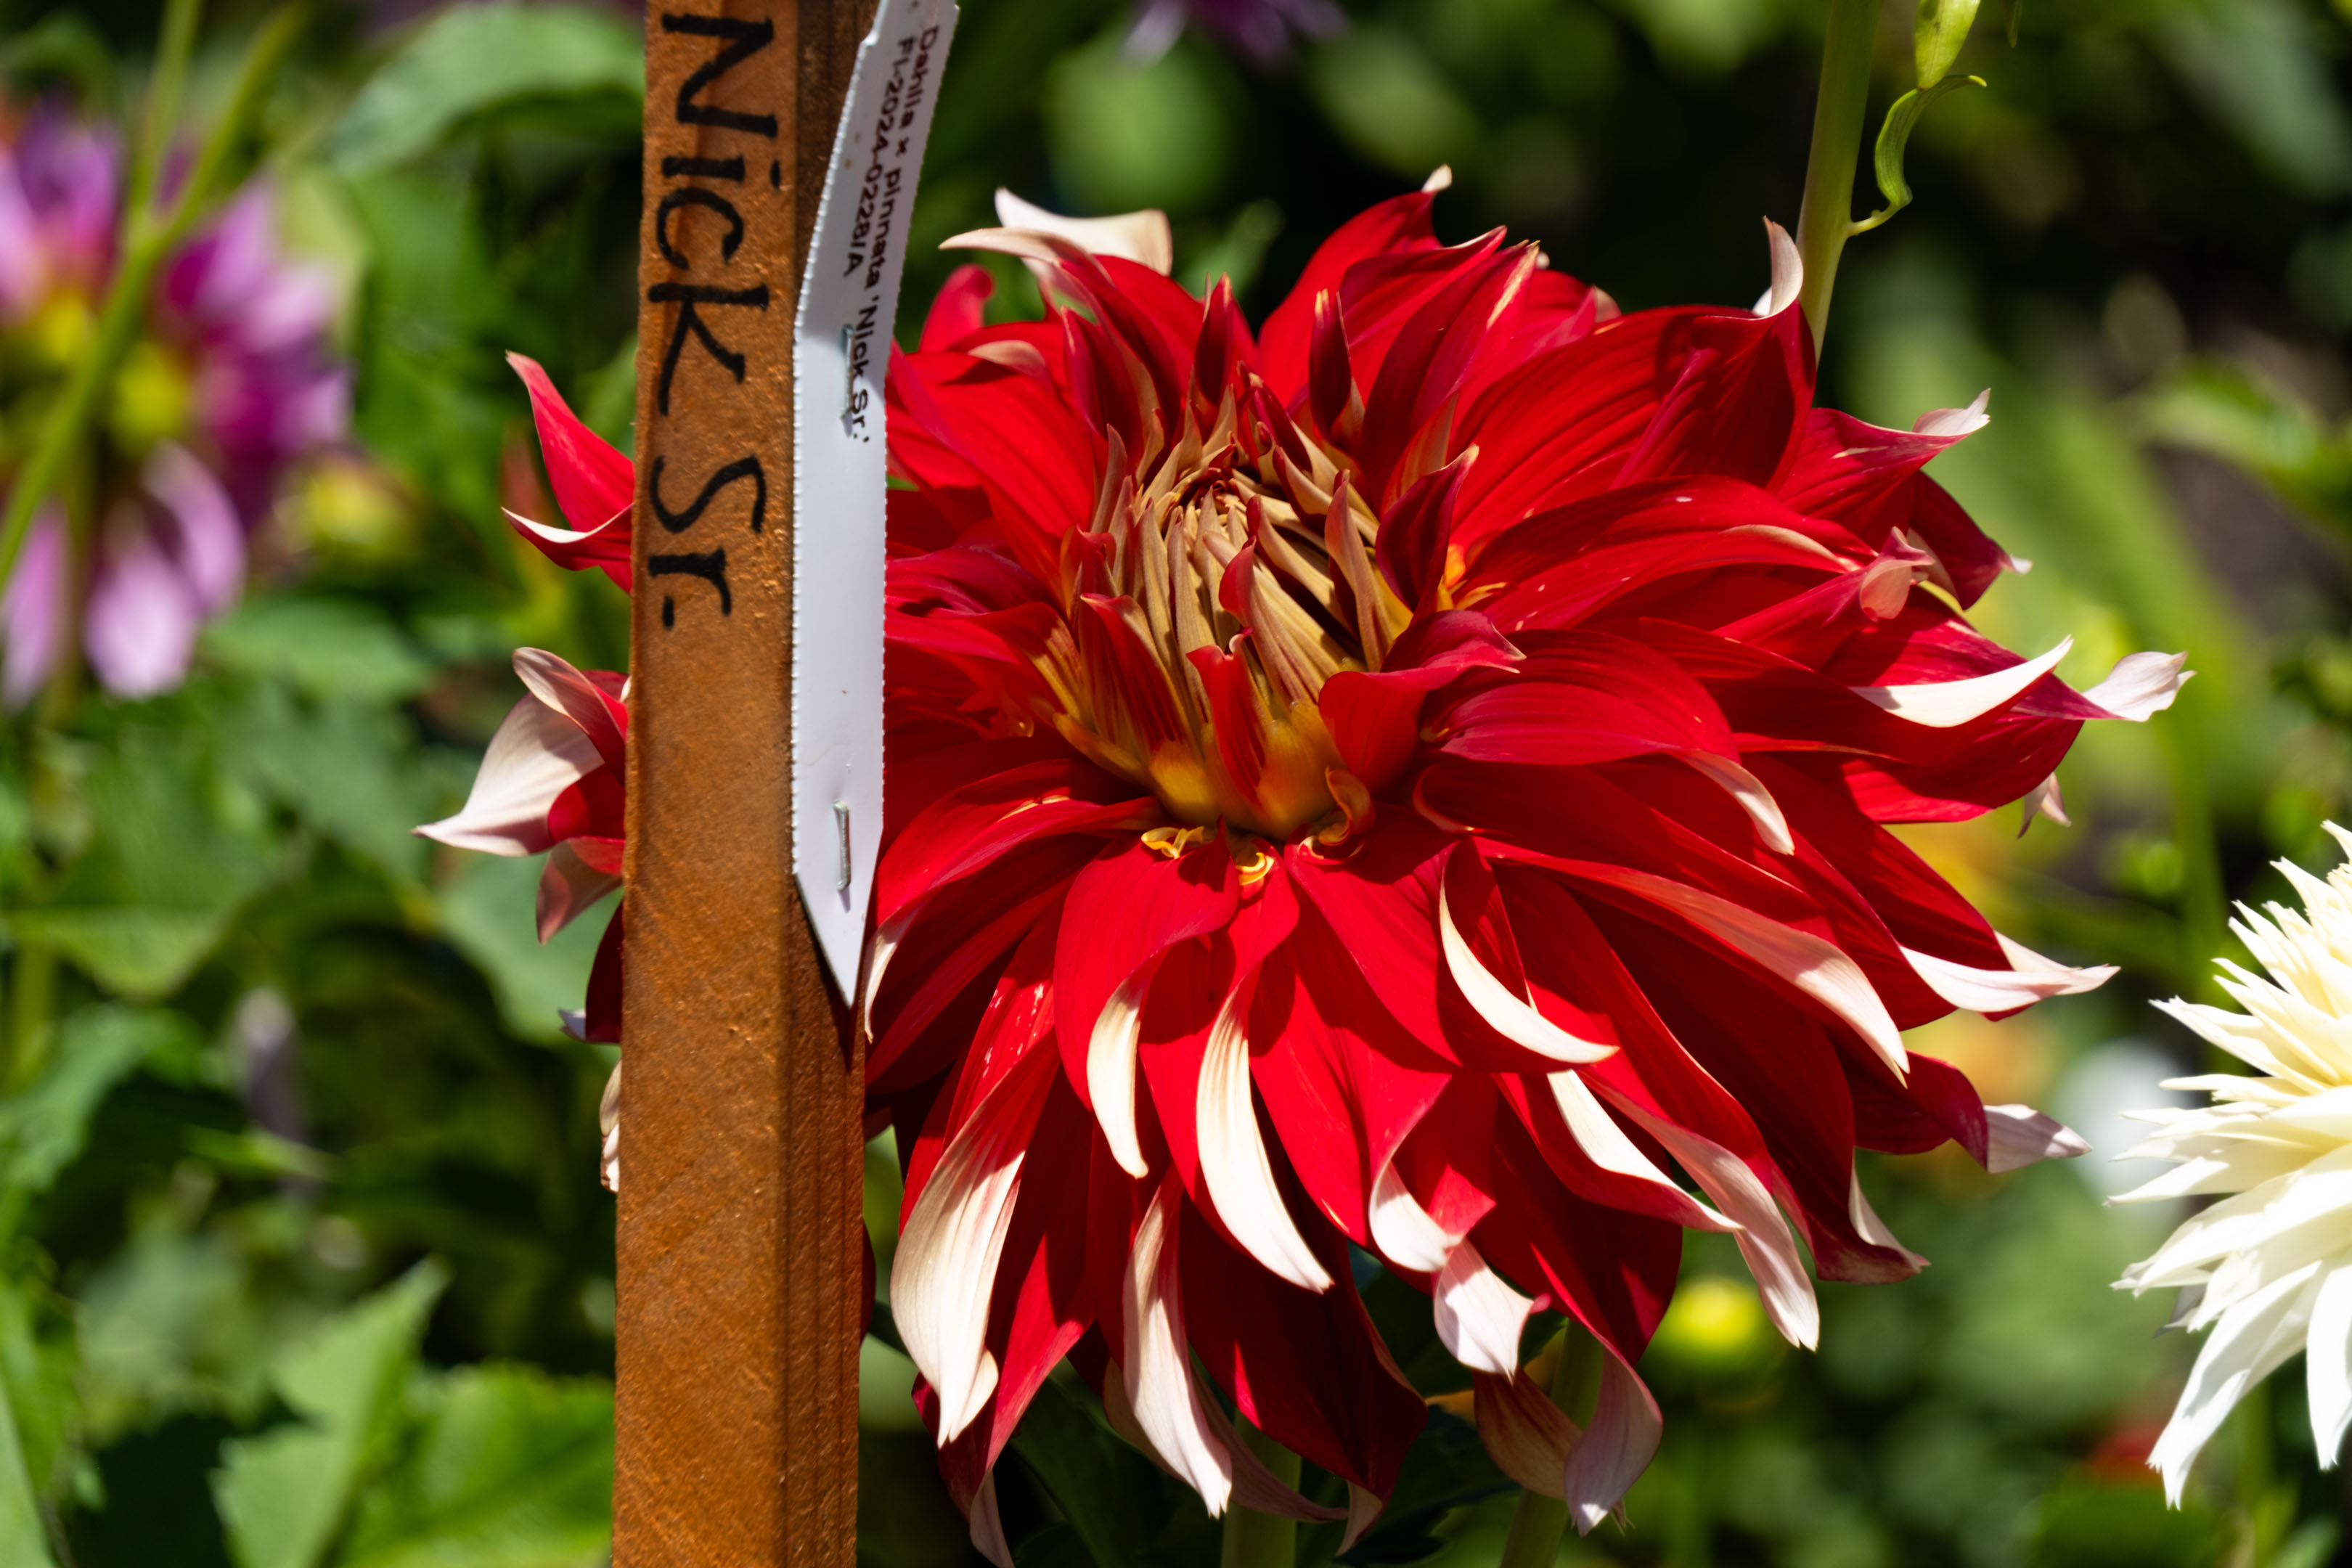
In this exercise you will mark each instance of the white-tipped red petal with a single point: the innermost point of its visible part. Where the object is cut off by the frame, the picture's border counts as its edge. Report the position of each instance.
(1509, 1016)
(1766, 1243)
(554, 681)
(2141, 684)
(2004, 990)
(536, 756)
(1142, 237)
(2017, 1136)
(1872, 1228)
(1605, 1144)
(1946, 704)
(1818, 969)
(1110, 1069)
(945, 1270)
(1403, 1230)
(1162, 1392)
(1951, 424)
(1233, 1161)
(568, 888)
(1479, 1317)
(988, 1525)
(1749, 792)
(1788, 271)
(1616, 1448)
(2042, 800)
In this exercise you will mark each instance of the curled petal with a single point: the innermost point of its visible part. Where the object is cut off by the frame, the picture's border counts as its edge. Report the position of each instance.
(1947, 704)
(1616, 1448)
(1872, 1228)
(1111, 1069)
(2004, 990)
(1403, 1230)
(1526, 1436)
(1142, 237)
(578, 697)
(536, 756)
(1749, 792)
(569, 888)
(1513, 1019)
(2017, 1136)
(1605, 1144)
(1479, 1317)
(1818, 969)
(988, 1525)
(1163, 1399)
(1233, 1161)
(2141, 684)
(2042, 800)
(594, 483)
(945, 1271)
(1766, 1243)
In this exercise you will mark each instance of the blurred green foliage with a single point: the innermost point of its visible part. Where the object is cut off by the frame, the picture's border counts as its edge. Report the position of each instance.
(302, 1257)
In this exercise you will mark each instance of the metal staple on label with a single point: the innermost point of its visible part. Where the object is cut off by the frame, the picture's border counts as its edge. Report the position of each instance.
(841, 827)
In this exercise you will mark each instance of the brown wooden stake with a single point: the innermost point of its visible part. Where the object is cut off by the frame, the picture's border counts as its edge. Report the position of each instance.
(740, 1208)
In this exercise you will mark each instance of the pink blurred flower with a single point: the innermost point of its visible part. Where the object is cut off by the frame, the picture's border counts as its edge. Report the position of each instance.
(1260, 29)
(232, 381)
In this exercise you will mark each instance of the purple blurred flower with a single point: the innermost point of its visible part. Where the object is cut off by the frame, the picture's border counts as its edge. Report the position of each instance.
(231, 382)
(1260, 29)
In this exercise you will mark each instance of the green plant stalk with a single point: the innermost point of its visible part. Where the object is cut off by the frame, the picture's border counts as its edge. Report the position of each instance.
(1826, 221)
(149, 239)
(1254, 1540)
(162, 107)
(35, 974)
(2203, 903)
(1540, 1523)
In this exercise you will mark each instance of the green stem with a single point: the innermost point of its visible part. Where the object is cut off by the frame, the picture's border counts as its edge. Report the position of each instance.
(34, 1000)
(1540, 1523)
(1826, 221)
(2203, 902)
(1255, 1540)
(149, 239)
(163, 108)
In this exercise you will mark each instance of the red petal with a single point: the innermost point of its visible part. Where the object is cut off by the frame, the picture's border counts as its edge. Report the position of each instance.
(1399, 224)
(594, 483)
(960, 310)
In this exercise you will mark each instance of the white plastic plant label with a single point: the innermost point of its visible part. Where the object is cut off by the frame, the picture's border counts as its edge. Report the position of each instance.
(841, 349)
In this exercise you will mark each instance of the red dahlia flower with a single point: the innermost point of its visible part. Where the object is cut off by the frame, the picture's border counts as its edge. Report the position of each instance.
(1401, 785)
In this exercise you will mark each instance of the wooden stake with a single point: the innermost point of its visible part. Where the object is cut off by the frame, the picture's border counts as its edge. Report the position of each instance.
(741, 1213)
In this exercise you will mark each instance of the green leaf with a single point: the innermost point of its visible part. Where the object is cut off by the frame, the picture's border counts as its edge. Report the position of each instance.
(512, 1469)
(475, 58)
(1937, 35)
(348, 768)
(283, 1494)
(1124, 1510)
(178, 849)
(43, 1129)
(1893, 137)
(488, 914)
(329, 647)
(22, 1538)
(38, 1363)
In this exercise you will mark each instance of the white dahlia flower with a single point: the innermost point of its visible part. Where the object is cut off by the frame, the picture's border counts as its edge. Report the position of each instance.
(2269, 1267)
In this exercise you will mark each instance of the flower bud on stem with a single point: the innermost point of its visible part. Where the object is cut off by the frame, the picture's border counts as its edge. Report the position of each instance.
(1539, 1522)
(1826, 221)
